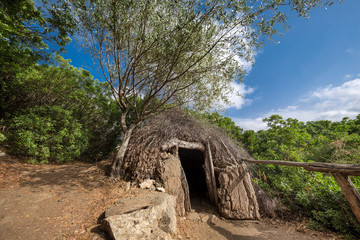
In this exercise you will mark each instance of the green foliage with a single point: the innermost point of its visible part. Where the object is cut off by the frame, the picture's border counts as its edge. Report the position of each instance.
(310, 194)
(48, 134)
(2, 137)
(88, 101)
(25, 31)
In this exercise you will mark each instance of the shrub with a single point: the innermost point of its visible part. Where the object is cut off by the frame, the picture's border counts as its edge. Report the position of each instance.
(311, 194)
(48, 134)
(2, 137)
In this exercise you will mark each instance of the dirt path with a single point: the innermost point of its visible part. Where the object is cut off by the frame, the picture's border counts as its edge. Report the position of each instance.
(67, 202)
(205, 223)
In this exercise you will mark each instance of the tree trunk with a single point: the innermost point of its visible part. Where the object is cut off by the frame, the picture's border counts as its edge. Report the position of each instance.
(119, 158)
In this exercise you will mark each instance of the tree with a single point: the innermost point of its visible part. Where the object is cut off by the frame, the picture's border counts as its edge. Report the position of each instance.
(75, 90)
(42, 93)
(25, 34)
(161, 54)
(26, 31)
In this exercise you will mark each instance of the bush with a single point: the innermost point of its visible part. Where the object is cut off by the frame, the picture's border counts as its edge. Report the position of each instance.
(48, 134)
(311, 194)
(2, 137)
(73, 89)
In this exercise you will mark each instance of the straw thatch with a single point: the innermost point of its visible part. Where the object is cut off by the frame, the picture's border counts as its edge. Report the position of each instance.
(151, 145)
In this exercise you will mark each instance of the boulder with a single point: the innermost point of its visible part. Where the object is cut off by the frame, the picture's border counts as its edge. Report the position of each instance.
(236, 194)
(171, 178)
(150, 216)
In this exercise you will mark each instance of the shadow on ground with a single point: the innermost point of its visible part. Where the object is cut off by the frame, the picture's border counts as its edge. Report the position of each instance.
(88, 176)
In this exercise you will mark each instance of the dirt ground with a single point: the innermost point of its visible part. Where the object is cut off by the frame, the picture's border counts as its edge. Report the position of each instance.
(68, 201)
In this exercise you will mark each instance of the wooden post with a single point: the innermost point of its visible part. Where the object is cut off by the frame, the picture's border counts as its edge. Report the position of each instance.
(228, 151)
(212, 174)
(185, 186)
(350, 192)
(208, 177)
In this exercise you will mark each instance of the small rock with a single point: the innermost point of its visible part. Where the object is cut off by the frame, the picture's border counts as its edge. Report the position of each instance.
(3, 155)
(194, 216)
(128, 186)
(147, 184)
(160, 189)
(205, 218)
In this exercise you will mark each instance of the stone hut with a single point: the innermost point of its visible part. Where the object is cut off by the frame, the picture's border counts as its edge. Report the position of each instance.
(190, 158)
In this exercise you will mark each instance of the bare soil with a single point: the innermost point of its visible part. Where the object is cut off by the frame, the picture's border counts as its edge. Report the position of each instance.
(68, 202)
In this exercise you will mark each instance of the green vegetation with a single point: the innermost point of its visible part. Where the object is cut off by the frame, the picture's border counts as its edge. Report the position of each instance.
(26, 32)
(55, 113)
(314, 195)
(48, 134)
(308, 194)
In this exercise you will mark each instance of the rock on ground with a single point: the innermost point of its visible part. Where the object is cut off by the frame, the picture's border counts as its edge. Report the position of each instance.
(151, 216)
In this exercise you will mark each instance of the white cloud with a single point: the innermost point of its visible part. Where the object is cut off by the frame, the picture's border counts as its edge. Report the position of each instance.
(237, 97)
(330, 103)
(255, 124)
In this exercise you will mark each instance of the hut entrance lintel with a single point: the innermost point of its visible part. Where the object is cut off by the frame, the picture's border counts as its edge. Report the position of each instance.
(183, 144)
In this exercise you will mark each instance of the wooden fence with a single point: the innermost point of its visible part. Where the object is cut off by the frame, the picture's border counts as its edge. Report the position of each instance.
(341, 173)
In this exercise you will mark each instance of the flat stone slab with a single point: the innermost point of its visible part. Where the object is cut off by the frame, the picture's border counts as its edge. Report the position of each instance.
(149, 216)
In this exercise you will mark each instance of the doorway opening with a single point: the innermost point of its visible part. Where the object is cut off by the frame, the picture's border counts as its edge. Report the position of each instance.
(192, 162)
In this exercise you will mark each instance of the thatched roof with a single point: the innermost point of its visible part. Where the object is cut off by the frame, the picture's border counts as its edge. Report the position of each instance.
(144, 155)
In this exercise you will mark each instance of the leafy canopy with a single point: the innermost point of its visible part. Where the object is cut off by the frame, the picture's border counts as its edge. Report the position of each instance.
(40, 93)
(185, 53)
(26, 31)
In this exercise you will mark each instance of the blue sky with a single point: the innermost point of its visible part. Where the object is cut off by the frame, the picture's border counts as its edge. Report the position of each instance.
(312, 74)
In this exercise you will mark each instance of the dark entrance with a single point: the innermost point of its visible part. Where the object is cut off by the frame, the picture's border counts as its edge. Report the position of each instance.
(192, 162)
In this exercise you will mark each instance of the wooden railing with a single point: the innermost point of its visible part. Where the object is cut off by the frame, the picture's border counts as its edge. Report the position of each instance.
(341, 173)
